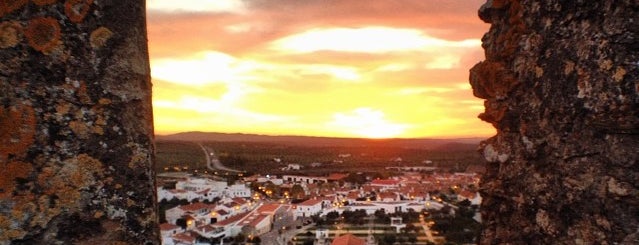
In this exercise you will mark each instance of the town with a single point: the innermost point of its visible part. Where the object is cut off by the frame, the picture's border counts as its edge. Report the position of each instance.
(417, 206)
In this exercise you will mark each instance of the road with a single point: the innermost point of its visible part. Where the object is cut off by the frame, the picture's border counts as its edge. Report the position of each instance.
(212, 162)
(429, 233)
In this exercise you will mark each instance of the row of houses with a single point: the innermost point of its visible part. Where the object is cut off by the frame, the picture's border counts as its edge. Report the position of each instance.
(203, 189)
(192, 223)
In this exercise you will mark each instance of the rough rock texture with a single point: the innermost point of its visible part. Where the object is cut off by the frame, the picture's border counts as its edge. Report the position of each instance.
(76, 132)
(561, 85)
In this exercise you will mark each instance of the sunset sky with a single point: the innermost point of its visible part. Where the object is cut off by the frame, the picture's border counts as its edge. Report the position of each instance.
(345, 68)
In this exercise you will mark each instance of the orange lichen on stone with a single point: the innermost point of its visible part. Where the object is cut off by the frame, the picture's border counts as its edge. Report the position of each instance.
(619, 74)
(43, 34)
(17, 130)
(99, 37)
(8, 6)
(80, 129)
(43, 2)
(494, 112)
(9, 232)
(104, 101)
(10, 32)
(67, 182)
(9, 173)
(491, 80)
(98, 214)
(62, 108)
(76, 10)
(82, 93)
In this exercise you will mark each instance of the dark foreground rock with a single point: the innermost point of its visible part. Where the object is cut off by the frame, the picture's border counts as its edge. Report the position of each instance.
(561, 85)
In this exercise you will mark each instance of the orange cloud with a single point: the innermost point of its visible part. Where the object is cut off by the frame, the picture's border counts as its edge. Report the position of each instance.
(325, 68)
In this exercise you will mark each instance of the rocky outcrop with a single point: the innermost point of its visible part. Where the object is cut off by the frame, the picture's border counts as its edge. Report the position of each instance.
(76, 132)
(561, 86)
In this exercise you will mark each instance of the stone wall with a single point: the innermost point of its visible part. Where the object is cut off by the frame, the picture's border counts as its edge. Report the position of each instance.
(561, 85)
(76, 130)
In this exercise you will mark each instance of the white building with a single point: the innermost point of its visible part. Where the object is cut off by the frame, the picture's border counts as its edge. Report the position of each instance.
(304, 179)
(201, 213)
(200, 189)
(167, 231)
(200, 184)
(308, 208)
(237, 190)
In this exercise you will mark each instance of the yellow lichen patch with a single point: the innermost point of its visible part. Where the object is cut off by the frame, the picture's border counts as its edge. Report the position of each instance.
(8, 6)
(8, 174)
(606, 65)
(539, 72)
(76, 10)
(138, 159)
(80, 129)
(98, 130)
(43, 34)
(130, 202)
(10, 32)
(99, 124)
(17, 130)
(63, 108)
(67, 182)
(104, 101)
(43, 2)
(98, 214)
(99, 37)
(100, 121)
(9, 232)
(619, 74)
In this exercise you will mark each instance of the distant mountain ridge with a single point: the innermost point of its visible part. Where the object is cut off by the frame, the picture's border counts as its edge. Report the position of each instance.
(417, 143)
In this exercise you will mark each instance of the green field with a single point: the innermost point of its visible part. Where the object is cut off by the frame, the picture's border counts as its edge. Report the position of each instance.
(258, 157)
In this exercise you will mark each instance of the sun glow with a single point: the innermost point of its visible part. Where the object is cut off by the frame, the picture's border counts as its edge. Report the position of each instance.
(338, 69)
(367, 40)
(368, 123)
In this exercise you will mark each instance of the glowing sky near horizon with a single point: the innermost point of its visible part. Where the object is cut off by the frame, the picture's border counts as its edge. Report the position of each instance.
(341, 68)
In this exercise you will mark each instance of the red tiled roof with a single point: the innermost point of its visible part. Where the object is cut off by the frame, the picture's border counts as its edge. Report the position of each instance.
(231, 220)
(168, 227)
(269, 208)
(239, 200)
(336, 176)
(348, 239)
(184, 237)
(195, 206)
(387, 195)
(206, 228)
(310, 202)
(258, 220)
(384, 182)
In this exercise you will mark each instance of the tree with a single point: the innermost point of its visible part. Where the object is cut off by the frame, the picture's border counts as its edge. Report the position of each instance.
(381, 217)
(390, 239)
(297, 191)
(412, 238)
(332, 216)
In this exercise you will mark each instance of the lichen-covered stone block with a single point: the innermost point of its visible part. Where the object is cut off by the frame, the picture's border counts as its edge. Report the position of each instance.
(561, 86)
(76, 125)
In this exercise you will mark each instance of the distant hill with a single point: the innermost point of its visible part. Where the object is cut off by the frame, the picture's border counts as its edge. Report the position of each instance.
(418, 143)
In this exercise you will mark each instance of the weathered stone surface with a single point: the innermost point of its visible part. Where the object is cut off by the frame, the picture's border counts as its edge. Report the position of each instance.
(76, 132)
(561, 83)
